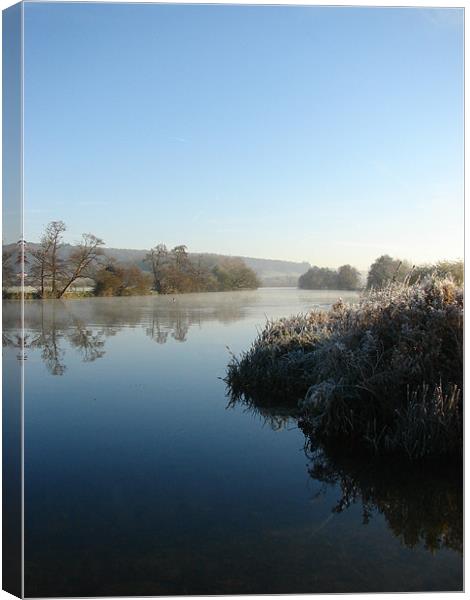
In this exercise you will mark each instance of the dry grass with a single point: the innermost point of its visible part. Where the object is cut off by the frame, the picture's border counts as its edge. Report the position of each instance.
(385, 374)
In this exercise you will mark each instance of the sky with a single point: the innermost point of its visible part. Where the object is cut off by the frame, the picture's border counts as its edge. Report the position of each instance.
(320, 134)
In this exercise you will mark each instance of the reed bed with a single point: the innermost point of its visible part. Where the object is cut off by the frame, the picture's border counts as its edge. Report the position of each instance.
(385, 374)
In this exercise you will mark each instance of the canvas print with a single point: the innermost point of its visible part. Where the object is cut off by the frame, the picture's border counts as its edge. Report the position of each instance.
(232, 299)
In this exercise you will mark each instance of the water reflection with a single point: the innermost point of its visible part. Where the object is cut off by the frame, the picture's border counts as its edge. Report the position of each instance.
(49, 336)
(177, 326)
(84, 325)
(142, 465)
(276, 418)
(422, 504)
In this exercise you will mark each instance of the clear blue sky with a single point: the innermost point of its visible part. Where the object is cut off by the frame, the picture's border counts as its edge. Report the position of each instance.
(331, 135)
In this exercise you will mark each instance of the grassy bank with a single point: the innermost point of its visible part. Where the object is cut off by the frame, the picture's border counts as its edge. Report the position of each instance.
(384, 375)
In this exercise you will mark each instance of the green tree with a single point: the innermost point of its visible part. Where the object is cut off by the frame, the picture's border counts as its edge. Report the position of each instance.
(386, 269)
(233, 274)
(319, 278)
(349, 278)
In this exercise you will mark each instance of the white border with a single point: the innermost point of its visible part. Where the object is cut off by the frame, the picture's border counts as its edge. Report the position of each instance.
(384, 3)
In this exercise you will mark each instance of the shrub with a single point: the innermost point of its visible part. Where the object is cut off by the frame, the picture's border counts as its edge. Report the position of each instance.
(120, 280)
(385, 374)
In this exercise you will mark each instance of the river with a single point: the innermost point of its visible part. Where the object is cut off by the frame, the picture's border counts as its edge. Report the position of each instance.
(140, 479)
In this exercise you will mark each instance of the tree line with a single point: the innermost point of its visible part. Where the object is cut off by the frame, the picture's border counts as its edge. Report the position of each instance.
(53, 272)
(174, 271)
(345, 277)
(383, 271)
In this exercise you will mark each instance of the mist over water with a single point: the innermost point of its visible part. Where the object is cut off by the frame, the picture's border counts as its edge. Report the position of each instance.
(140, 479)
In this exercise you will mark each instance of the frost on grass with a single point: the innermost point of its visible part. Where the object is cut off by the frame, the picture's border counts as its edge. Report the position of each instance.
(385, 374)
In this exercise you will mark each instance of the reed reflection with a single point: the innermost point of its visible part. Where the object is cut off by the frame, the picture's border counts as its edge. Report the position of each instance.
(422, 503)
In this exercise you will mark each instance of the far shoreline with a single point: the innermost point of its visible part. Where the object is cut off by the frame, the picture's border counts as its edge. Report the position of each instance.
(89, 296)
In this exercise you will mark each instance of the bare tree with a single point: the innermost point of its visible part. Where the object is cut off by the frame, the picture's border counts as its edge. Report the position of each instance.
(157, 258)
(81, 261)
(40, 265)
(46, 265)
(181, 256)
(53, 235)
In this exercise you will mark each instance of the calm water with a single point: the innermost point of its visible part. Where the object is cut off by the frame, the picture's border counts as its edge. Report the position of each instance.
(140, 480)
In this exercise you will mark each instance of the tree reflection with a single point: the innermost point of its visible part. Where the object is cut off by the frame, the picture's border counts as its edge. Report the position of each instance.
(89, 343)
(84, 325)
(49, 336)
(422, 503)
(160, 328)
(52, 353)
(157, 331)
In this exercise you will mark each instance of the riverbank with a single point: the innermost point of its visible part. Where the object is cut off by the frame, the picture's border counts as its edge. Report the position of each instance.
(75, 295)
(384, 375)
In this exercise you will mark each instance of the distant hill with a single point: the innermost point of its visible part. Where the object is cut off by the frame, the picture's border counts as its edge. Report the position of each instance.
(271, 272)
